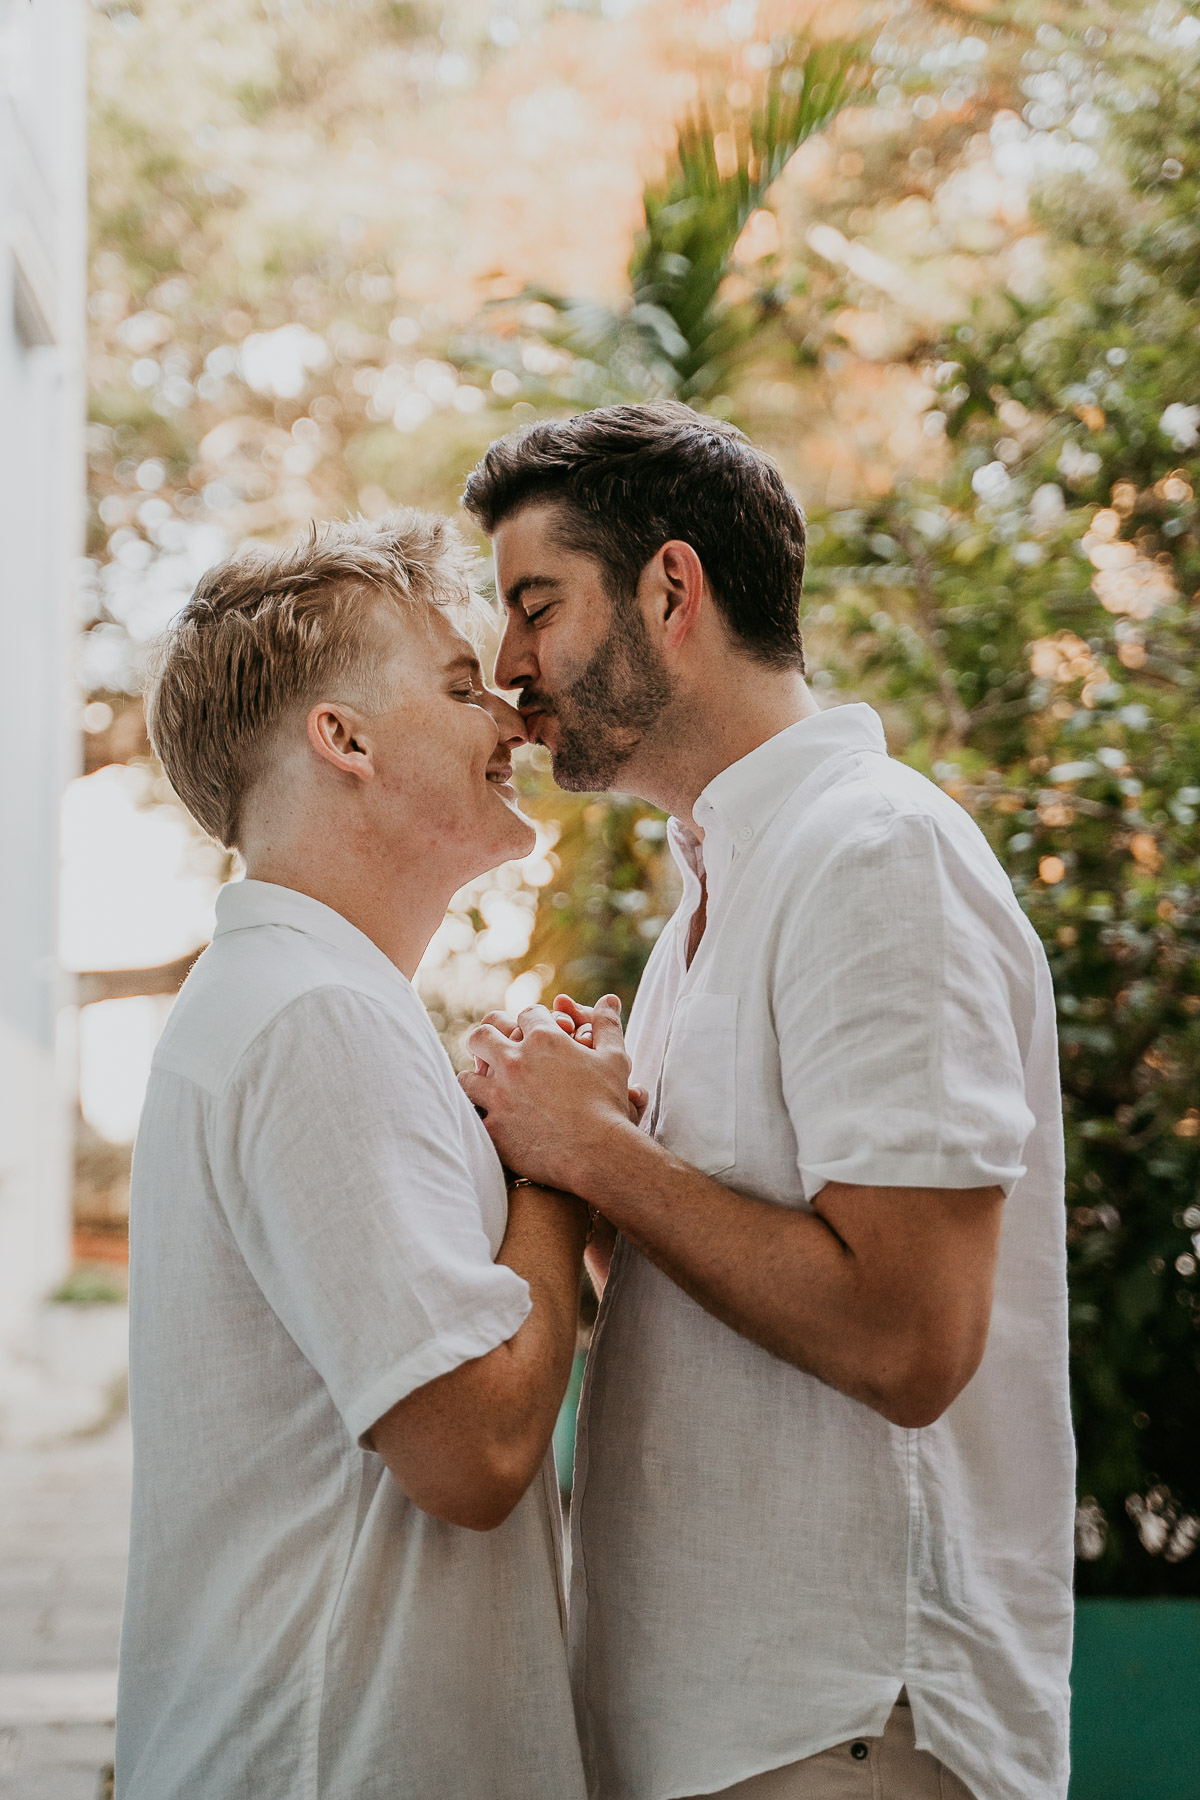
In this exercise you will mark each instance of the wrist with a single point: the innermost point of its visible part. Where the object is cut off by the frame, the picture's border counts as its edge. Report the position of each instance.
(607, 1163)
(575, 1212)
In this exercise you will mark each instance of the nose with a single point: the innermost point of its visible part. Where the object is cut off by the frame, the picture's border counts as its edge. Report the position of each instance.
(508, 722)
(516, 664)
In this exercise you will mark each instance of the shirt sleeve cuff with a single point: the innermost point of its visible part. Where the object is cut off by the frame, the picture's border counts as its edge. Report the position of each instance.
(437, 1356)
(913, 1169)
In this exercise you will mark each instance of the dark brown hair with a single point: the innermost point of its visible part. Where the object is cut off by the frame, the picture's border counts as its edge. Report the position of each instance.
(630, 478)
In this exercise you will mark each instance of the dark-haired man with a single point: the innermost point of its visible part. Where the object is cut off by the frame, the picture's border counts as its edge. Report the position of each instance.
(824, 1481)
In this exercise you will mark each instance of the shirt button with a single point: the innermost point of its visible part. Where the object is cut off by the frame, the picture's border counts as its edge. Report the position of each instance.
(859, 1751)
(745, 834)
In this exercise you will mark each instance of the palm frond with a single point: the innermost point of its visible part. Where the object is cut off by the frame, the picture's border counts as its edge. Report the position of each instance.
(674, 335)
(720, 174)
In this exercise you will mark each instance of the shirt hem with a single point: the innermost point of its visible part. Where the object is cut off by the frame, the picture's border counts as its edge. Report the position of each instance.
(435, 1358)
(931, 1735)
(912, 1168)
(874, 1728)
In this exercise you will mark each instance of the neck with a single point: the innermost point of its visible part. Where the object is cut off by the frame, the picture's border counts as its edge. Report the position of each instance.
(396, 908)
(706, 733)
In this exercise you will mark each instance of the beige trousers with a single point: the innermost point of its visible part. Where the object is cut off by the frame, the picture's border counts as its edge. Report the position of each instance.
(882, 1768)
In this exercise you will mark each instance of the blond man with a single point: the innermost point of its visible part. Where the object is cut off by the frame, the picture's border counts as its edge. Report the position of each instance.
(348, 1347)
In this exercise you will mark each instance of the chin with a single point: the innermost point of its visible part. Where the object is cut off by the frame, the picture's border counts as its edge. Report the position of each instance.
(526, 838)
(517, 841)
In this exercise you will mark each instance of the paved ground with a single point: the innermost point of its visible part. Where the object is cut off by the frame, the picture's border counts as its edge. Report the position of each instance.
(64, 1519)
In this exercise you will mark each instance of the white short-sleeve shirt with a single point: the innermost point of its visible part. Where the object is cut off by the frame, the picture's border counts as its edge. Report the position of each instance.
(760, 1562)
(315, 1215)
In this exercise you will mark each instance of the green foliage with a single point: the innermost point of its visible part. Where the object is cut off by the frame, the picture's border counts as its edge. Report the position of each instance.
(696, 214)
(1030, 625)
(93, 1284)
(676, 334)
(595, 926)
(208, 129)
(594, 931)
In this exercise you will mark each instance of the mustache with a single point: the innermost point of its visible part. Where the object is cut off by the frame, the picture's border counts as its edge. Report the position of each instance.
(533, 700)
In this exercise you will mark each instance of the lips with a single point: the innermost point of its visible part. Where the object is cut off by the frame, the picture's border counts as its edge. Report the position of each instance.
(532, 721)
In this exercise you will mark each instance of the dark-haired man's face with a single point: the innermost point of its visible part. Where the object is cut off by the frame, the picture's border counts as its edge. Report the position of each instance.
(592, 683)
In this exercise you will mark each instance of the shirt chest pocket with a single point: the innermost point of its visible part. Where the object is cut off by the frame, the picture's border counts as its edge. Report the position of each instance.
(697, 1106)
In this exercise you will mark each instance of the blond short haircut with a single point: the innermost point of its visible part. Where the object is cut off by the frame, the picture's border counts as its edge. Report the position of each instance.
(270, 631)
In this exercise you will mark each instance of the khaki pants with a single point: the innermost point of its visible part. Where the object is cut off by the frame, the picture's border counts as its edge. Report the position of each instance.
(886, 1768)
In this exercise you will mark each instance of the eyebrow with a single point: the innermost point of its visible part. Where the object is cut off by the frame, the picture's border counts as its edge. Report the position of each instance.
(464, 660)
(528, 584)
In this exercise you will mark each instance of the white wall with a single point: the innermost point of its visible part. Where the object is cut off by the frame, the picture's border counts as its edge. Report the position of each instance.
(42, 260)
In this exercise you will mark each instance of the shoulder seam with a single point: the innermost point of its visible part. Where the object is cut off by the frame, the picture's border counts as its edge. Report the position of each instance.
(896, 814)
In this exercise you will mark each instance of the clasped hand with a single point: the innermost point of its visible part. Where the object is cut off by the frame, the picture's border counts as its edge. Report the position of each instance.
(551, 1086)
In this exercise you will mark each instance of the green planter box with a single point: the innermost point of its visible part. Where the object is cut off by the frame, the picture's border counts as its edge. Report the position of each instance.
(1135, 1715)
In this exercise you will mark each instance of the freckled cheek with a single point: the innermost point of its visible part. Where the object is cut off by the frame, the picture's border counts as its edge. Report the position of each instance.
(461, 745)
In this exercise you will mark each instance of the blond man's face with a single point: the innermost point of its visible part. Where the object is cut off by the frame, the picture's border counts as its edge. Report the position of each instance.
(443, 748)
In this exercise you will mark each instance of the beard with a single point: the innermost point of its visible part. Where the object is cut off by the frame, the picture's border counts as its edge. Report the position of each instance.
(604, 715)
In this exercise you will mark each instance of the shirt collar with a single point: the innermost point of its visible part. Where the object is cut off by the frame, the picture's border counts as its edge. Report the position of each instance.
(741, 801)
(244, 905)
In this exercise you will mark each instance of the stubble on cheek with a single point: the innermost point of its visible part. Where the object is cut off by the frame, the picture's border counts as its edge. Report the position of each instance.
(602, 717)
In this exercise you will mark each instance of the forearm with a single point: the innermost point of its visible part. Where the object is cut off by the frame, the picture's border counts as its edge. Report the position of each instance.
(779, 1276)
(543, 1244)
(467, 1445)
(882, 1291)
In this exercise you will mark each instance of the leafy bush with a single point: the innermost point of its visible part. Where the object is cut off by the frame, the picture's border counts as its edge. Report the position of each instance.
(1030, 625)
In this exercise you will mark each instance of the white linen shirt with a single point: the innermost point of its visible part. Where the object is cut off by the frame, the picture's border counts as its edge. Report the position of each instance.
(761, 1563)
(316, 1211)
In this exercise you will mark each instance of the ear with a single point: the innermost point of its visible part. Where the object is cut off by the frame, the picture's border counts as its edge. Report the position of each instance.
(676, 587)
(335, 734)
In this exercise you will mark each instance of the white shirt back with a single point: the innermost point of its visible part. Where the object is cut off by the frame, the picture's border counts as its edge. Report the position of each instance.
(316, 1210)
(760, 1562)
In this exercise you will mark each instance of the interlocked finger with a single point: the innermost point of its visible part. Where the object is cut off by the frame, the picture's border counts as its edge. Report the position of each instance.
(501, 1021)
(535, 1019)
(488, 1044)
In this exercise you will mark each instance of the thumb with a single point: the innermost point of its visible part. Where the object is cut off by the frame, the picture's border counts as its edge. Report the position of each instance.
(606, 1025)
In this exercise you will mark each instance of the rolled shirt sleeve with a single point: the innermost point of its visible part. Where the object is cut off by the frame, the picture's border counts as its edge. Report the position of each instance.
(351, 1195)
(903, 1000)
